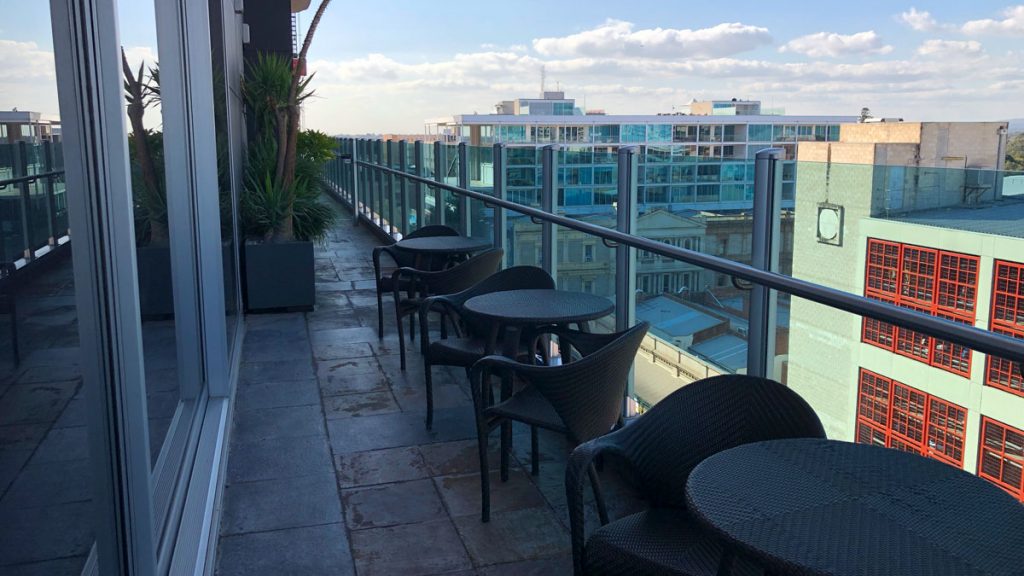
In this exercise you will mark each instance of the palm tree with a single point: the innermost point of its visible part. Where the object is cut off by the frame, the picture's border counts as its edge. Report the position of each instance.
(288, 130)
(142, 94)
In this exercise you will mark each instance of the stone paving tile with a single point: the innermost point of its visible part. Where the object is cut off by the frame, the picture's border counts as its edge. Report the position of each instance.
(355, 405)
(62, 567)
(457, 458)
(307, 550)
(380, 466)
(391, 504)
(276, 371)
(35, 403)
(277, 423)
(49, 483)
(284, 503)
(28, 535)
(461, 494)
(553, 566)
(409, 550)
(526, 534)
(350, 376)
(22, 436)
(277, 458)
(397, 429)
(342, 350)
(414, 398)
(258, 395)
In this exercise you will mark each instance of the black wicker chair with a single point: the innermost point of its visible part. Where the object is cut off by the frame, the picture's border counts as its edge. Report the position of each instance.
(657, 453)
(581, 399)
(402, 259)
(470, 333)
(421, 284)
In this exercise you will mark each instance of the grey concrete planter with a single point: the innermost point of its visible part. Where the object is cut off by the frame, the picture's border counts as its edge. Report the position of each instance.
(279, 276)
(156, 298)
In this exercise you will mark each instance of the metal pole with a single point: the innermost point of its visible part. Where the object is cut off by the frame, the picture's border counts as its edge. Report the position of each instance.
(499, 218)
(390, 163)
(417, 201)
(354, 179)
(765, 256)
(465, 218)
(403, 189)
(378, 187)
(51, 203)
(21, 163)
(548, 239)
(439, 208)
(625, 256)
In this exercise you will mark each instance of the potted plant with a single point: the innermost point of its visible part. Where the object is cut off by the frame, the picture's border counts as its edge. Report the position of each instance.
(149, 193)
(280, 205)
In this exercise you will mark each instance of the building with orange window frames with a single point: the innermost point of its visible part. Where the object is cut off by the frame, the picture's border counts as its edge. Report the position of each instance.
(913, 214)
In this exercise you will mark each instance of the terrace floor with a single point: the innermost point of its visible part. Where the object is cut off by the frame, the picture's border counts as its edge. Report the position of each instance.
(331, 469)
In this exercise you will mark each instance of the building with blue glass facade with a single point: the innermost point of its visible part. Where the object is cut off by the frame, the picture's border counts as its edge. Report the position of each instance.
(696, 160)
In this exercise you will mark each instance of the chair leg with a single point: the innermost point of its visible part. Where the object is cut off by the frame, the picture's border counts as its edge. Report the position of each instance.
(595, 483)
(401, 335)
(485, 477)
(430, 393)
(506, 448)
(534, 452)
(412, 327)
(380, 314)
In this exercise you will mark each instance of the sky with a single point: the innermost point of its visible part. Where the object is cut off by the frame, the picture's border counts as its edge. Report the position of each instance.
(387, 67)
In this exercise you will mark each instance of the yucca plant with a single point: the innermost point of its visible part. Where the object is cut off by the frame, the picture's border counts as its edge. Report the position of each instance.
(274, 90)
(146, 152)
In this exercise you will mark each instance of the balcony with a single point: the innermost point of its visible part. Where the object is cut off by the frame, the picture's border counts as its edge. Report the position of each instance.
(331, 466)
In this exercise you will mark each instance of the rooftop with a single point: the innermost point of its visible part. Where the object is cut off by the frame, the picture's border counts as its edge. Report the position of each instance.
(1001, 218)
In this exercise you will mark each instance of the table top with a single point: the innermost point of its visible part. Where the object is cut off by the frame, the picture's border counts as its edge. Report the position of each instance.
(812, 506)
(443, 244)
(539, 306)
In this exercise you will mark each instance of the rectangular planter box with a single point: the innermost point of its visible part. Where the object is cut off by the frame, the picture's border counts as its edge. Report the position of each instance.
(279, 276)
(156, 297)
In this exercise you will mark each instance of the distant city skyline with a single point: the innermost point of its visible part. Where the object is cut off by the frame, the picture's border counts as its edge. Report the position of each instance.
(387, 68)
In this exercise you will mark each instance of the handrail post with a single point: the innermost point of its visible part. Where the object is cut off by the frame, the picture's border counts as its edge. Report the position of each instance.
(765, 256)
(21, 163)
(465, 218)
(439, 208)
(549, 186)
(389, 146)
(354, 180)
(51, 203)
(378, 176)
(417, 201)
(499, 217)
(625, 256)
(403, 190)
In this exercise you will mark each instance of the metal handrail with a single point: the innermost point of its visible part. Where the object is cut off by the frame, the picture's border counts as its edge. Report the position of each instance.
(969, 336)
(30, 178)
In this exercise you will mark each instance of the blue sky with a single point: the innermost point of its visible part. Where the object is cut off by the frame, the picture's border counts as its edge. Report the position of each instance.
(388, 66)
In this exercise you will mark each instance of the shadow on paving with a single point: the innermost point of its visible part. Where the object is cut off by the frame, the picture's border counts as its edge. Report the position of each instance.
(331, 469)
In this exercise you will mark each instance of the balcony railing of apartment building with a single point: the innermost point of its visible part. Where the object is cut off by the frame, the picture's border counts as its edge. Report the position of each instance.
(819, 321)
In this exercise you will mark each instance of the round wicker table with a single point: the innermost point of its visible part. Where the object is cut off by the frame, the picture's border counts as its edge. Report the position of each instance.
(525, 308)
(822, 507)
(437, 245)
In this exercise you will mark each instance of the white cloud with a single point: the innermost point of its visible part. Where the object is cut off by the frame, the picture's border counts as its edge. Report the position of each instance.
(919, 20)
(1011, 24)
(140, 54)
(949, 48)
(826, 44)
(619, 38)
(24, 61)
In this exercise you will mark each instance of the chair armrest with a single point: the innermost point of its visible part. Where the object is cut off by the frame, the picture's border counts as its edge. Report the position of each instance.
(448, 310)
(576, 473)
(377, 251)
